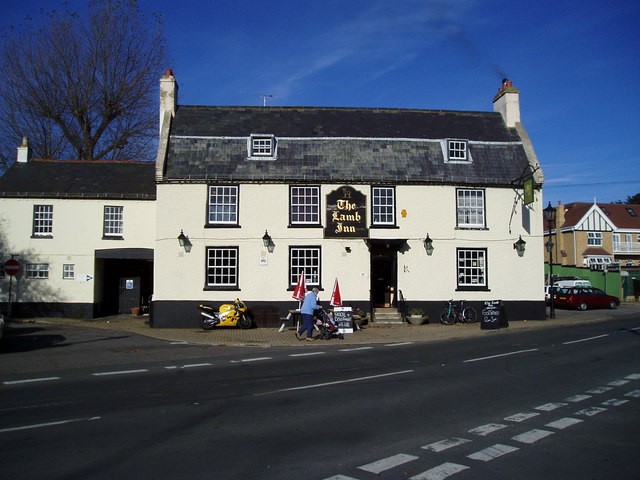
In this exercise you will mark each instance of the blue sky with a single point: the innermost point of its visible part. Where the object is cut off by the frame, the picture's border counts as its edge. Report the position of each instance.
(576, 64)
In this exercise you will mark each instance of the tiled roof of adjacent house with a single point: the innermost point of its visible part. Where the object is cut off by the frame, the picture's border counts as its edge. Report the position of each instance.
(341, 144)
(85, 179)
(623, 216)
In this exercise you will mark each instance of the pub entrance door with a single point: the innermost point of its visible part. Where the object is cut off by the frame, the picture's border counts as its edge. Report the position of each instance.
(384, 268)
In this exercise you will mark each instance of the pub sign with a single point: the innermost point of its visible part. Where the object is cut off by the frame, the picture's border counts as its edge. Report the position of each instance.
(346, 214)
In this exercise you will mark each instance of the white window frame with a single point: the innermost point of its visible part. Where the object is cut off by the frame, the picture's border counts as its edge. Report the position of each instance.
(113, 221)
(470, 208)
(598, 263)
(304, 205)
(43, 220)
(456, 150)
(472, 268)
(68, 271)
(222, 205)
(307, 259)
(37, 271)
(383, 206)
(594, 239)
(222, 268)
(262, 147)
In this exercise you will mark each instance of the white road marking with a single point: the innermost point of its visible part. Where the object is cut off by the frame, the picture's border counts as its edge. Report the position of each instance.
(633, 393)
(492, 453)
(521, 417)
(500, 355)
(257, 359)
(445, 444)
(387, 463)
(614, 402)
(485, 430)
(308, 354)
(618, 383)
(564, 423)
(532, 436)
(577, 398)
(328, 384)
(196, 365)
(48, 424)
(30, 380)
(398, 344)
(340, 477)
(590, 412)
(548, 407)
(599, 390)
(354, 349)
(633, 376)
(440, 472)
(120, 372)
(586, 339)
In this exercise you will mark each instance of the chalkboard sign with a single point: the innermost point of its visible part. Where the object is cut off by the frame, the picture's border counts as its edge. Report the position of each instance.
(343, 316)
(491, 315)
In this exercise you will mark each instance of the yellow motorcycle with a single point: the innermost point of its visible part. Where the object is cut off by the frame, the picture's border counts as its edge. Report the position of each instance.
(227, 315)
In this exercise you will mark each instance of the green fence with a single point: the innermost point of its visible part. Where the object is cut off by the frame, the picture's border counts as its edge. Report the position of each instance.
(610, 282)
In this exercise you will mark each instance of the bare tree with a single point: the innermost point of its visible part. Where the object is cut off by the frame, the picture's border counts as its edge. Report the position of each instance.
(83, 87)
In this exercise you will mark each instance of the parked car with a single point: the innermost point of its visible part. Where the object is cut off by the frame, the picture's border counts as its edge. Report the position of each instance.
(576, 282)
(547, 293)
(583, 298)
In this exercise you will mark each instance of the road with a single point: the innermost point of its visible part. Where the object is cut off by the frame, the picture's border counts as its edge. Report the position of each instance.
(555, 404)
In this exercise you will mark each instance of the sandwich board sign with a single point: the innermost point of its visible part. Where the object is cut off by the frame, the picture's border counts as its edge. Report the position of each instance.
(343, 316)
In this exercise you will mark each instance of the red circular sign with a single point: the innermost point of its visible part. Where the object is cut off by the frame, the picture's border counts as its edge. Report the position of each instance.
(11, 267)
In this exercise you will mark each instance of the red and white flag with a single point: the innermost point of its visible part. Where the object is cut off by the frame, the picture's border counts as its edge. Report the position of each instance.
(336, 299)
(300, 290)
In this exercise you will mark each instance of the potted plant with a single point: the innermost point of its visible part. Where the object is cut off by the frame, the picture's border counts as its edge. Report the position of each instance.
(417, 316)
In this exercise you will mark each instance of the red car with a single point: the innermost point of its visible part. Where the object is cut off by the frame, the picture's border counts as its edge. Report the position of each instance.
(585, 297)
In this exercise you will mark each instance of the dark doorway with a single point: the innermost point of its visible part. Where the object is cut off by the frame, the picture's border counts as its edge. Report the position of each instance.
(384, 260)
(126, 284)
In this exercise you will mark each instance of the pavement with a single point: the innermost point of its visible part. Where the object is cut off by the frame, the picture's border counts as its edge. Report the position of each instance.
(371, 333)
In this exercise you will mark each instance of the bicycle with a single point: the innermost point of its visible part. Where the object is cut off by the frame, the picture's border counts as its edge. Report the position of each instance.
(458, 313)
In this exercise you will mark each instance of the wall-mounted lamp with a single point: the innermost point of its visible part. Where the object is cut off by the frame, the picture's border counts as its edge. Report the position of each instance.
(347, 249)
(184, 242)
(519, 246)
(266, 241)
(428, 245)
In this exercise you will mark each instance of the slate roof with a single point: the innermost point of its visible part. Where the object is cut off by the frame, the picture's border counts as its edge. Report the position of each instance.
(80, 179)
(328, 145)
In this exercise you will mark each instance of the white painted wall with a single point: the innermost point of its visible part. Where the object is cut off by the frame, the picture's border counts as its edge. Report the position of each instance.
(77, 233)
(430, 209)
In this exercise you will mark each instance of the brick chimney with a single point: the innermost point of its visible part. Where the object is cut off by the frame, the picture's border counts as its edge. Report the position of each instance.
(507, 102)
(23, 151)
(168, 95)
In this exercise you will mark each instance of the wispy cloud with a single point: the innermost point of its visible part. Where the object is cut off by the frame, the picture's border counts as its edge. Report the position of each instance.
(397, 32)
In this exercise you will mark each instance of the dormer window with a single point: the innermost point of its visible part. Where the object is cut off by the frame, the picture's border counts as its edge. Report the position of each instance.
(261, 147)
(456, 151)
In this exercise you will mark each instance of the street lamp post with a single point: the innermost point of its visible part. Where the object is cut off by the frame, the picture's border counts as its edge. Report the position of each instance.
(550, 217)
